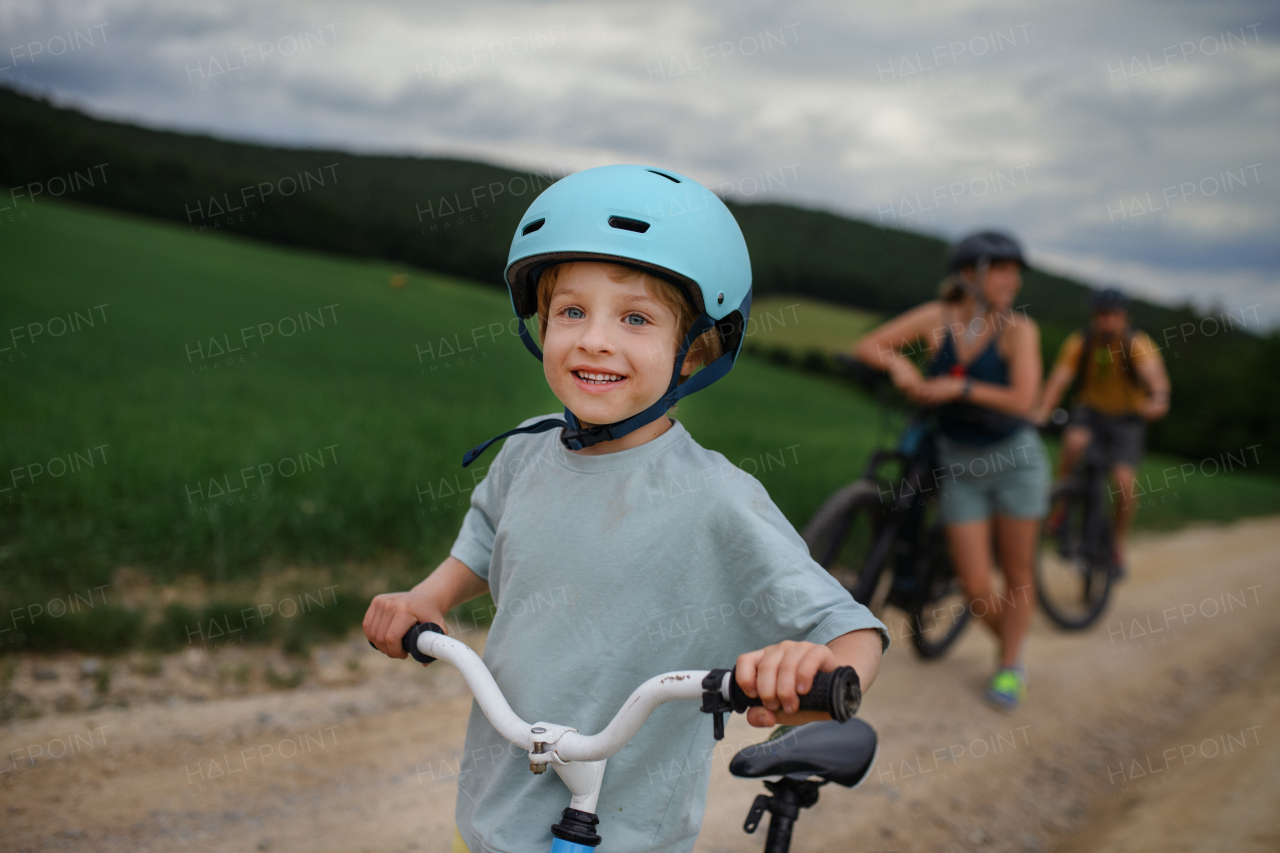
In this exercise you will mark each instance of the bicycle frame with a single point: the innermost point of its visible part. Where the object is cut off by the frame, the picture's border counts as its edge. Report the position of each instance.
(911, 454)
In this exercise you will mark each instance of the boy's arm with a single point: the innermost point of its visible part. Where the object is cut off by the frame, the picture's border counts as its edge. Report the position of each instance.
(391, 614)
(782, 673)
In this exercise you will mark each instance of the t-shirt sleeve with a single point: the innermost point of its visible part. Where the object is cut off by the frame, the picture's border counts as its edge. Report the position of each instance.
(474, 545)
(1144, 349)
(1069, 352)
(793, 598)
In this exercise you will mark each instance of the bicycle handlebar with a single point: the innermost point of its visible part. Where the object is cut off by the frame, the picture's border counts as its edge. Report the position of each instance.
(837, 693)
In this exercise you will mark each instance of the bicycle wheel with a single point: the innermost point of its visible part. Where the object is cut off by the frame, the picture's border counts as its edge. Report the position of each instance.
(1073, 563)
(849, 536)
(940, 611)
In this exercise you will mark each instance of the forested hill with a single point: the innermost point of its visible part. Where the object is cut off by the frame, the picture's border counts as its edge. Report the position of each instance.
(454, 216)
(457, 216)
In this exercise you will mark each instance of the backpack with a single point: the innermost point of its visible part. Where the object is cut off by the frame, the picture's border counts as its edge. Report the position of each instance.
(1126, 352)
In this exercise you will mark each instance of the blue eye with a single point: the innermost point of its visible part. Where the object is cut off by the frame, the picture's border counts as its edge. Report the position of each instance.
(574, 313)
(636, 320)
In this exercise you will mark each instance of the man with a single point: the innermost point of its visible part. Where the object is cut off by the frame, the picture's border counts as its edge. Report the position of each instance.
(1123, 384)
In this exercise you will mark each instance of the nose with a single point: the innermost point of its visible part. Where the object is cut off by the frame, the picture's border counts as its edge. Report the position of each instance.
(596, 337)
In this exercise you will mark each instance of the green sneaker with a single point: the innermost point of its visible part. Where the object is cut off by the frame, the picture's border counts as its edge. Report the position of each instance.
(1008, 687)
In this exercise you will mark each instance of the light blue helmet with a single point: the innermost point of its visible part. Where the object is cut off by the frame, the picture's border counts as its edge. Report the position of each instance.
(653, 219)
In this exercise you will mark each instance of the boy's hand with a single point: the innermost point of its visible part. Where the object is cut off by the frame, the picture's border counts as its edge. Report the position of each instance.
(779, 675)
(392, 614)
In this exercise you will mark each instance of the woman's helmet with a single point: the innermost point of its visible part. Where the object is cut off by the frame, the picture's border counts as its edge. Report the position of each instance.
(990, 246)
(652, 219)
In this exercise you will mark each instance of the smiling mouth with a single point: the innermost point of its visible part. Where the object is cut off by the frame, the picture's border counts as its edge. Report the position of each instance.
(598, 378)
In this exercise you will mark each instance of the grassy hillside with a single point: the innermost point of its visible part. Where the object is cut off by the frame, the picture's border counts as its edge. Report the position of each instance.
(209, 405)
(456, 217)
(801, 323)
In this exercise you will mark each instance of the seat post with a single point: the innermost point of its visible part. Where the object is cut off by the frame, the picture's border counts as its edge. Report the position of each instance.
(789, 797)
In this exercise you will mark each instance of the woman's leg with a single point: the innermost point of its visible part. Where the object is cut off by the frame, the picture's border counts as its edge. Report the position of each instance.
(970, 544)
(1016, 540)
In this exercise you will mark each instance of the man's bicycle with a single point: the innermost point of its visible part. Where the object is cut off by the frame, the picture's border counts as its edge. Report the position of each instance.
(1075, 565)
(807, 757)
(881, 536)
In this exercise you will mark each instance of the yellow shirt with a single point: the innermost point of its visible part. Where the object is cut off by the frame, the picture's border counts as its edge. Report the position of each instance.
(1105, 387)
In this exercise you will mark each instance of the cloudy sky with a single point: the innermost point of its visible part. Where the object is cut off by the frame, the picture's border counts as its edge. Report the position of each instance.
(1130, 143)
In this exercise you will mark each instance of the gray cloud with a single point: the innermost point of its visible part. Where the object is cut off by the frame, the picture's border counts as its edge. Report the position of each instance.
(1059, 123)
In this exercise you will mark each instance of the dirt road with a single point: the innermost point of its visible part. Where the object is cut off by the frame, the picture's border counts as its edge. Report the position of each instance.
(1157, 730)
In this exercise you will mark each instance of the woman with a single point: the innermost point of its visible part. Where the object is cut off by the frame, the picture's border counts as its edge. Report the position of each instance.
(983, 375)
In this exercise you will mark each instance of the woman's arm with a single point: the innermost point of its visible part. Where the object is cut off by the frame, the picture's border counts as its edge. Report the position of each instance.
(1022, 338)
(879, 347)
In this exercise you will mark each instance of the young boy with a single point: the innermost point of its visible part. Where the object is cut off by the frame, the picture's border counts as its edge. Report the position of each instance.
(615, 547)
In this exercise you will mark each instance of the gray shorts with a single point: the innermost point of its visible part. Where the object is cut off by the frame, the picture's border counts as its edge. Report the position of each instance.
(1121, 438)
(1008, 478)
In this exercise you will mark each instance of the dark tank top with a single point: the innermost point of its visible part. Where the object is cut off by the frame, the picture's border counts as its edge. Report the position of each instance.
(966, 422)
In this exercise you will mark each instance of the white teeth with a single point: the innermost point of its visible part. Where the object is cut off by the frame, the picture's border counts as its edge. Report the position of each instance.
(597, 378)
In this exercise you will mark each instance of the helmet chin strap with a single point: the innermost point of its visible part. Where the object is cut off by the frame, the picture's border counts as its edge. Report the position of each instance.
(977, 291)
(578, 437)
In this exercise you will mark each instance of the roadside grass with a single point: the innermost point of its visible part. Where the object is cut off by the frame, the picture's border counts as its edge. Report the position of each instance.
(177, 437)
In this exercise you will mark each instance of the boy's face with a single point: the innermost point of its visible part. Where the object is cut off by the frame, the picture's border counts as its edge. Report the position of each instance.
(609, 346)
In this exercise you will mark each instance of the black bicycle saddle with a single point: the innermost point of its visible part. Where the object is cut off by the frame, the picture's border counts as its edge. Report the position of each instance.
(837, 752)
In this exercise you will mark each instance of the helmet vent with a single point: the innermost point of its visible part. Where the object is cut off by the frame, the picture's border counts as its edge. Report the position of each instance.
(665, 175)
(532, 226)
(628, 224)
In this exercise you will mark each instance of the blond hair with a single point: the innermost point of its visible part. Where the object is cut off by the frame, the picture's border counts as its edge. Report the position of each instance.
(706, 349)
(952, 289)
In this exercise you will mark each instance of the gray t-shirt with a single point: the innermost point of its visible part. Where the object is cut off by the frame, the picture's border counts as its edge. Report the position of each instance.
(608, 570)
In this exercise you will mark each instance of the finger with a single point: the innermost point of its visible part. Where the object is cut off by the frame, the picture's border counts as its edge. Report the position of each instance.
(786, 684)
(767, 676)
(761, 717)
(813, 663)
(745, 672)
(379, 629)
(389, 640)
(400, 625)
(367, 623)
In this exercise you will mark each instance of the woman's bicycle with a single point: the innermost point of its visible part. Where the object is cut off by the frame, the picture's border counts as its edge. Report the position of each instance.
(1075, 565)
(805, 758)
(881, 536)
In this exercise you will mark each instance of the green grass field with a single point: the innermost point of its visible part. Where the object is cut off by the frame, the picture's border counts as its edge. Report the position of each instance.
(248, 407)
(800, 323)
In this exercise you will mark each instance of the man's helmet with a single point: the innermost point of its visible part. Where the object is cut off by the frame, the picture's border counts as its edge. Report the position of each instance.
(655, 220)
(992, 245)
(1108, 300)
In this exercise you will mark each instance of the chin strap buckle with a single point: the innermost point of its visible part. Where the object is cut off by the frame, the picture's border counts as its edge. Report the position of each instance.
(713, 701)
(579, 438)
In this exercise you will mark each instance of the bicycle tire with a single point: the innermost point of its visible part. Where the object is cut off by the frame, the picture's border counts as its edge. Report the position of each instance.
(1067, 564)
(943, 584)
(827, 535)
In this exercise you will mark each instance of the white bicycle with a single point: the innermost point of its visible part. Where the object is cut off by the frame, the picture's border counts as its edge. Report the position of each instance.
(841, 751)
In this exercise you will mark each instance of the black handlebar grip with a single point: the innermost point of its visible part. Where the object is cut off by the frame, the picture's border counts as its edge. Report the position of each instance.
(837, 693)
(409, 642)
